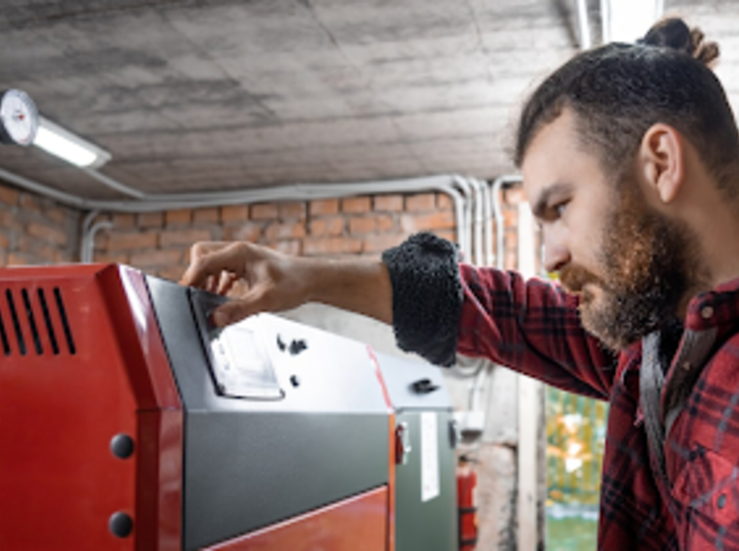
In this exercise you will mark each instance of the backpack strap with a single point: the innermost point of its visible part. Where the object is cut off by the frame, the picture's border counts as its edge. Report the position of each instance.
(651, 381)
(691, 358)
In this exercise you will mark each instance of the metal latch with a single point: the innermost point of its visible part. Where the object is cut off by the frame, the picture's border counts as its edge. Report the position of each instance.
(402, 443)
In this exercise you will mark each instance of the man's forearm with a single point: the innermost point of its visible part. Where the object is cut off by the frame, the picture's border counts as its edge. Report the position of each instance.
(361, 286)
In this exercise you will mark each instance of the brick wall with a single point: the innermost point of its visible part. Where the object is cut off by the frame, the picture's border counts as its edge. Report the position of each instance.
(158, 243)
(34, 230)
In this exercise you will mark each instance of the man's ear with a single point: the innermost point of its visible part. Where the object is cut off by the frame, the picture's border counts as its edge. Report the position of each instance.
(662, 160)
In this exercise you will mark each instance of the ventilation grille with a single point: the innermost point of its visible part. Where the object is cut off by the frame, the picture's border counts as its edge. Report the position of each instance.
(34, 323)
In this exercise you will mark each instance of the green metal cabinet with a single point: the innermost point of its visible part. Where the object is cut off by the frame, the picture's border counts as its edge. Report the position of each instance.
(426, 516)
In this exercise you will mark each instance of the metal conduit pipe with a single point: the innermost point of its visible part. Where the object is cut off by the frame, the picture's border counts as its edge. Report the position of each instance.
(488, 210)
(498, 216)
(466, 188)
(300, 192)
(484, 232)
(470, 226)
(88, 220)
(479, 367)
(40, 189)
(113, 184)
(87, 249)
(477, 221)
(468, 367)
(481, 370)
(444, 183)
(583, 25)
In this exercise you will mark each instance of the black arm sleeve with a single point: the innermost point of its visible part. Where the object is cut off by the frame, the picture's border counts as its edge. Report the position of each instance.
(427, 296)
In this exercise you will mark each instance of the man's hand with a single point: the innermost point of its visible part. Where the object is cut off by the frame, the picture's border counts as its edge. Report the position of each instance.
(263, 280)
(271, 281)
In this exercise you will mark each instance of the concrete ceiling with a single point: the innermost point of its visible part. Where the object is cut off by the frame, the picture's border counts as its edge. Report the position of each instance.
(221, 95)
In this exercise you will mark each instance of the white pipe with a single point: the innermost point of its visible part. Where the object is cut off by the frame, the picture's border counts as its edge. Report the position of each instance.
(485, 233)
(584, 25)
(488, 210)
(479, 368)
(449, 184)
(466, 243)
(40, 189)
(88, 220)
(88, 240)
(114, 184)
(477, 220)
(498, 214)
(154, 203)
(85, 232)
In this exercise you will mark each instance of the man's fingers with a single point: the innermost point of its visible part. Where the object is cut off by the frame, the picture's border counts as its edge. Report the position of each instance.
(211, 259)
(210, 284)
(236, 310)
(226, 283)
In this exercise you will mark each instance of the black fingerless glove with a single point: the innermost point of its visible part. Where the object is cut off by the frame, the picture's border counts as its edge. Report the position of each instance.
(427, 296)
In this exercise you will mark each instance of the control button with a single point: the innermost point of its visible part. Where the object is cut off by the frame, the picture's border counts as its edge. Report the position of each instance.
(280, 344)
(721, 502)
(120, 524)
(122, 446)
(295, 381)
(297, 346)
(424, 386)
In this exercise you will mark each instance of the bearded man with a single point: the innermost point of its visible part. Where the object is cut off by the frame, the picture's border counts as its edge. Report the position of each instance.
(630, 159)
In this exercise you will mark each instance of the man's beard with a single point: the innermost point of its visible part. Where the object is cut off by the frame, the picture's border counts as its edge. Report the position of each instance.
(649, 263)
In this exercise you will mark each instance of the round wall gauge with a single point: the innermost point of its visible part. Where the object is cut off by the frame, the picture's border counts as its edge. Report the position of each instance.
(19, 118)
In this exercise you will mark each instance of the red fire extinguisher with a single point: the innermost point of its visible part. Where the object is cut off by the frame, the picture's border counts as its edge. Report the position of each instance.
(466, 484)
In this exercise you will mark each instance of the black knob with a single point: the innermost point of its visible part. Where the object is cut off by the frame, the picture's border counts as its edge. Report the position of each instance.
(122, 446)
(424, 386)
(295, 380)
(297, 346)
(120, 524)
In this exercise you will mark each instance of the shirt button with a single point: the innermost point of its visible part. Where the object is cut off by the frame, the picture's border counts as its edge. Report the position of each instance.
(707, 312)
(686, 365)
(721, 501)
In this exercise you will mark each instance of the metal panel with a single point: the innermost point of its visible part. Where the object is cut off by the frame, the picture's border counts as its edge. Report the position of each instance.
(426, 525)
(60, 409)
(400, 375)
(422, 523)
(355, 524)
(250, 463)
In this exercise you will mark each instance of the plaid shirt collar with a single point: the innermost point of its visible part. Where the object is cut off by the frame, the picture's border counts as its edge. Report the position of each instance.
(716, 308)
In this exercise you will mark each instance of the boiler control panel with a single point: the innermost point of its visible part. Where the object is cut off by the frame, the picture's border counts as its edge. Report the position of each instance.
(241, 363)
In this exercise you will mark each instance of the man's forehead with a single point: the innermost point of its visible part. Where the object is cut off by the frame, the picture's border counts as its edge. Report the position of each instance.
(553, 136)
(555, 161)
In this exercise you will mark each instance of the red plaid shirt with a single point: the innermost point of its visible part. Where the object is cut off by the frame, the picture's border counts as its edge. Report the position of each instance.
(534, 327)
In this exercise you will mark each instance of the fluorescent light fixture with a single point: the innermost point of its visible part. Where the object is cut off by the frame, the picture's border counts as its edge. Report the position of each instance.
(628, 20)
(62, 143)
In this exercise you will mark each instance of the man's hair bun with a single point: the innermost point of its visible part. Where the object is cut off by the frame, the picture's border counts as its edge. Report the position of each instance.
(673, 32)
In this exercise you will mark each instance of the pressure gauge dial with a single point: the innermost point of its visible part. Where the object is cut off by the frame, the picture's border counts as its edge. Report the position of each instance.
(19, 118)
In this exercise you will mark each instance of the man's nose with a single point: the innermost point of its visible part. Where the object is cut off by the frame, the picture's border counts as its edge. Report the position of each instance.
(556, 253)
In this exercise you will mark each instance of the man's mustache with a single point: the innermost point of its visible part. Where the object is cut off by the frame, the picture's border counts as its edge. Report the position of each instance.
(574, 278)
